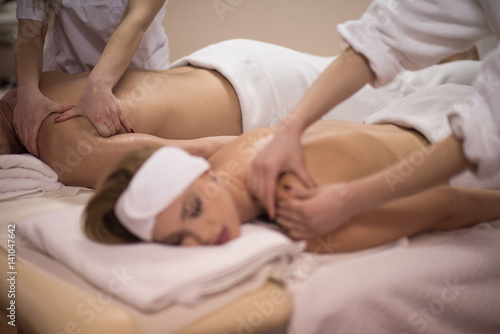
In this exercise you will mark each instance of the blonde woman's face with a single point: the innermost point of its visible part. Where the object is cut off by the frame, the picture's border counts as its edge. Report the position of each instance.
(205, 214)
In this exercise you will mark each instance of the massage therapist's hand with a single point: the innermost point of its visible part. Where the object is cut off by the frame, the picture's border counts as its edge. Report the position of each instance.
(101, 108)
(28, 115)
(314, 212)
(283, 154)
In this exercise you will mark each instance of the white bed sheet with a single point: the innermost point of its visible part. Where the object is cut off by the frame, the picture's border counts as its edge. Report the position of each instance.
(447, 282)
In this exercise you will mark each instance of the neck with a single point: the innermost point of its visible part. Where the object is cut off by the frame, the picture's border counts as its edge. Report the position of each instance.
(246, 206)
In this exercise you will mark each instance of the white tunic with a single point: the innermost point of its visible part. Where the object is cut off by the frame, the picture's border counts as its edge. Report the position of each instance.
(404, 34)
(78, 39)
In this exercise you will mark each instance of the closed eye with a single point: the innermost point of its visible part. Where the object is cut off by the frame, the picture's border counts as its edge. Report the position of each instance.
(196, 209)
(192, 209)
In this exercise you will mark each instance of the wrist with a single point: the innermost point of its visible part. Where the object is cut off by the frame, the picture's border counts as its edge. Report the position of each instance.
(28, 90)
(356, 197)
(293, 124)
(98, 83)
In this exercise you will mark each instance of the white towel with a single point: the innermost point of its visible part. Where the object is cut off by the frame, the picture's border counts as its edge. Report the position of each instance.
(426, 111)
(25, 175)
(270, 80)
(152, 276)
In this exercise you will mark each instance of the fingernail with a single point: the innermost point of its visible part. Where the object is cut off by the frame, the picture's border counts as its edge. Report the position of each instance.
(55, 119)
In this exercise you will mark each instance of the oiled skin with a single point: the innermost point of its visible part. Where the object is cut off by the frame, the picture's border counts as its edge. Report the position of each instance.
(338, 151)
(170, 107)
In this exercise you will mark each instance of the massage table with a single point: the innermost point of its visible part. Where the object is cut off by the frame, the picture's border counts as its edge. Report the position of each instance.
(323, 291)
(50, 298)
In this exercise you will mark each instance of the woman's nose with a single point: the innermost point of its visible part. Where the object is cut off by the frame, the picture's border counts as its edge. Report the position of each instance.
(197, 237)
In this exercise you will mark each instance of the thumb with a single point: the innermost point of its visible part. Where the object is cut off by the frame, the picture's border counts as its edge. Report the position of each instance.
(67, 113)
(62, 108)
(301, 194)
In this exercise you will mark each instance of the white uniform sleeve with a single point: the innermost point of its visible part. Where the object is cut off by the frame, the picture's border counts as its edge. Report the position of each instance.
(476, 120)
(26, 10)
(407, 34)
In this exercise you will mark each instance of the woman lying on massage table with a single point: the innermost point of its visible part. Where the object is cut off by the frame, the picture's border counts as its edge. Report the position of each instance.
(176, 198)
(178, 104)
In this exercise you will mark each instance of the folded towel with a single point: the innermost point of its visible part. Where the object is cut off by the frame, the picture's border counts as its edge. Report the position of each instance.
(426, 111)
(152, 276)
(25, 175)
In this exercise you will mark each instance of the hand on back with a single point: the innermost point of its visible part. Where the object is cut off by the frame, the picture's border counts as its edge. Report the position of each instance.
(102, 109)
(28, 115)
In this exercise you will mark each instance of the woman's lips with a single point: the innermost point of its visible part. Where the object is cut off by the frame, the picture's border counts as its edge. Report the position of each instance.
(223, 236)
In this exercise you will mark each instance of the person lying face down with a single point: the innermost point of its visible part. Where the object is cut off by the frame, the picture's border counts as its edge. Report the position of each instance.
(169, 196)
(171, 107)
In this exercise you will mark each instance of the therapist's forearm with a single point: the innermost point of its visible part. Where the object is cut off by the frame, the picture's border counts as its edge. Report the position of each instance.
(347, 74)
(423, 169)
(117, 55)
(29, 55)
(124, 42)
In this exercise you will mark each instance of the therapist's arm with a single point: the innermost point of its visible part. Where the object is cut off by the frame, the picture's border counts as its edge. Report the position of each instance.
(316, 212)
(98, 103)
(32, 106)
(442, 161)
(29, 55)
(347, 74)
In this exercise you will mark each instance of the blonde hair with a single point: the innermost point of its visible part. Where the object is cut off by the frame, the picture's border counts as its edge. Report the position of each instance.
(100, 221)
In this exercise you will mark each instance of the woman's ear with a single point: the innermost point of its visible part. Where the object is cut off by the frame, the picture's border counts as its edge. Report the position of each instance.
(286, 183)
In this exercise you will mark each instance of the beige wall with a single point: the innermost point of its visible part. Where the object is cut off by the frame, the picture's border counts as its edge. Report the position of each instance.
(304, 25)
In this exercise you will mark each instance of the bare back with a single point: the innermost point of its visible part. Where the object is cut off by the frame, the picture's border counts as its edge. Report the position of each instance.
(179, 103)
(171, 107)
(338, 151)
(334, 150)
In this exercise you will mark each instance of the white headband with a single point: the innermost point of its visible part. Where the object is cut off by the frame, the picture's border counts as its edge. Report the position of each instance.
(157, 183)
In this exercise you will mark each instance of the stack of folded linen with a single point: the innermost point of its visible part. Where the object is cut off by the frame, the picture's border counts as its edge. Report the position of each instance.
(152, 276)
(25, 175)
